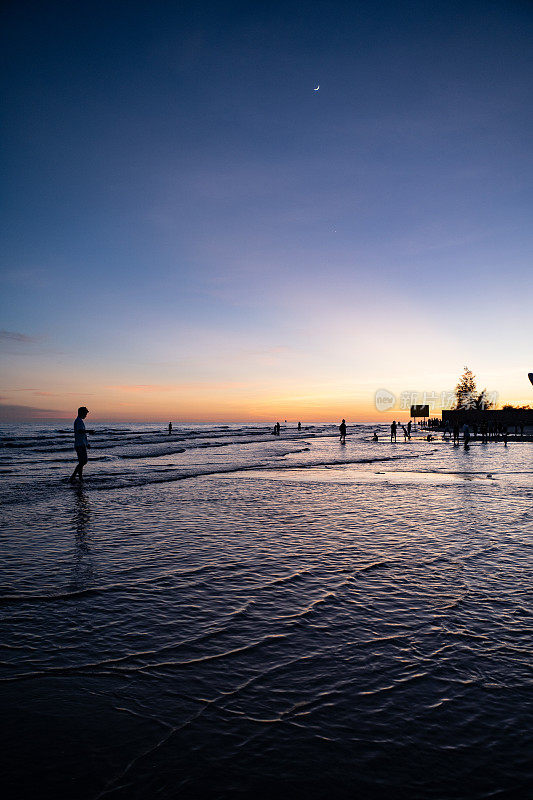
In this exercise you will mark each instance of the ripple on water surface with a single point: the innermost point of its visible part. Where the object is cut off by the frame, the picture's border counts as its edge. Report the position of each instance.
(233, 635)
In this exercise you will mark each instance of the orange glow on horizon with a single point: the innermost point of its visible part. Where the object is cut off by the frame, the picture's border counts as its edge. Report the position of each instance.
(215, 403)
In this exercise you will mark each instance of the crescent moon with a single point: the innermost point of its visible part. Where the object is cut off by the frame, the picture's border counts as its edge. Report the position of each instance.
(317, 88)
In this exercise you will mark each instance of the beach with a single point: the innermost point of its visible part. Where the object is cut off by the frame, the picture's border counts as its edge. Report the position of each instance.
(224, 613)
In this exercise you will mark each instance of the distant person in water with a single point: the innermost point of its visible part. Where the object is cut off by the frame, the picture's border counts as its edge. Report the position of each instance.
(375, 436)
(405, 434)
(342, 429)
(80, 443)
(456, 433)
(278, 428)
(466, 434)
(393, 431)
(299, 426)
(409, 429)
(169, 428)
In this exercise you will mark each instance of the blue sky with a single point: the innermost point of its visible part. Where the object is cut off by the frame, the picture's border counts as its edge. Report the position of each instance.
(184, 213)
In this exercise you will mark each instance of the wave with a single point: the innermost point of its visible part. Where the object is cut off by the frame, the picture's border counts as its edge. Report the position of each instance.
(153, 453)
(112, 439)
(171, 474)
(113, 481)
(136, 457)
(124, 586)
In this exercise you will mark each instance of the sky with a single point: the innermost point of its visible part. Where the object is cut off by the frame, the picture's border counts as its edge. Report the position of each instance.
(192, 232)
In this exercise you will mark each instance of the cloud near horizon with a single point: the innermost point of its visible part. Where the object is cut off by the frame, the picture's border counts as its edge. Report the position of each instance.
(14, 336)
(16, 413)
(178, 387)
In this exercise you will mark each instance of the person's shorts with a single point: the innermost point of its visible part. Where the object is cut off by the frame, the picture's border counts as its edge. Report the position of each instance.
(82, 455)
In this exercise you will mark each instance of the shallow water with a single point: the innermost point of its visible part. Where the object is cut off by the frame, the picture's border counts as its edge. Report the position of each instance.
(269, 617)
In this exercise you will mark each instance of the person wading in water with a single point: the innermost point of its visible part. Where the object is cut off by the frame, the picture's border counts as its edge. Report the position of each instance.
(80, 443)
(342, 429)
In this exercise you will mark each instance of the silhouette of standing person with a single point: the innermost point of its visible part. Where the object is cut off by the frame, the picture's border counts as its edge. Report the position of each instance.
(169, 428)
(393, 431)
(456, 433)
(299, 426)
(80, 442)
(409, 429)
(342, 429)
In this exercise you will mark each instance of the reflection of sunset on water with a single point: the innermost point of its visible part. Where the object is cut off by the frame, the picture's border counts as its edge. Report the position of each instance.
(280, 253)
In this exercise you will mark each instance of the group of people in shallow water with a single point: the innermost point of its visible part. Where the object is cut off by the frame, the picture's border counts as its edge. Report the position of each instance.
(81, 444)
(393, 431)
(407, 433)
(275, 432)
(394, 428)
(277, 428)
(487, 432)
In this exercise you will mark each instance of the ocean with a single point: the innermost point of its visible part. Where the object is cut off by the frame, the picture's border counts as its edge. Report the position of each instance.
(224, 613)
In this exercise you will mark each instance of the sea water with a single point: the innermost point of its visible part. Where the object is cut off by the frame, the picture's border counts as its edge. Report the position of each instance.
(224, 613)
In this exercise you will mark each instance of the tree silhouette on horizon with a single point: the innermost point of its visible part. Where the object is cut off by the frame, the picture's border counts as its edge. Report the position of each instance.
(466, 394)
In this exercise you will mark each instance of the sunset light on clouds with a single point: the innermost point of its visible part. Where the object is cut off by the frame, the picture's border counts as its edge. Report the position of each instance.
(193, 233)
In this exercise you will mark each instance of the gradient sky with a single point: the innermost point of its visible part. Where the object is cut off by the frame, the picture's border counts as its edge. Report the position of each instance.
(192, 233)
